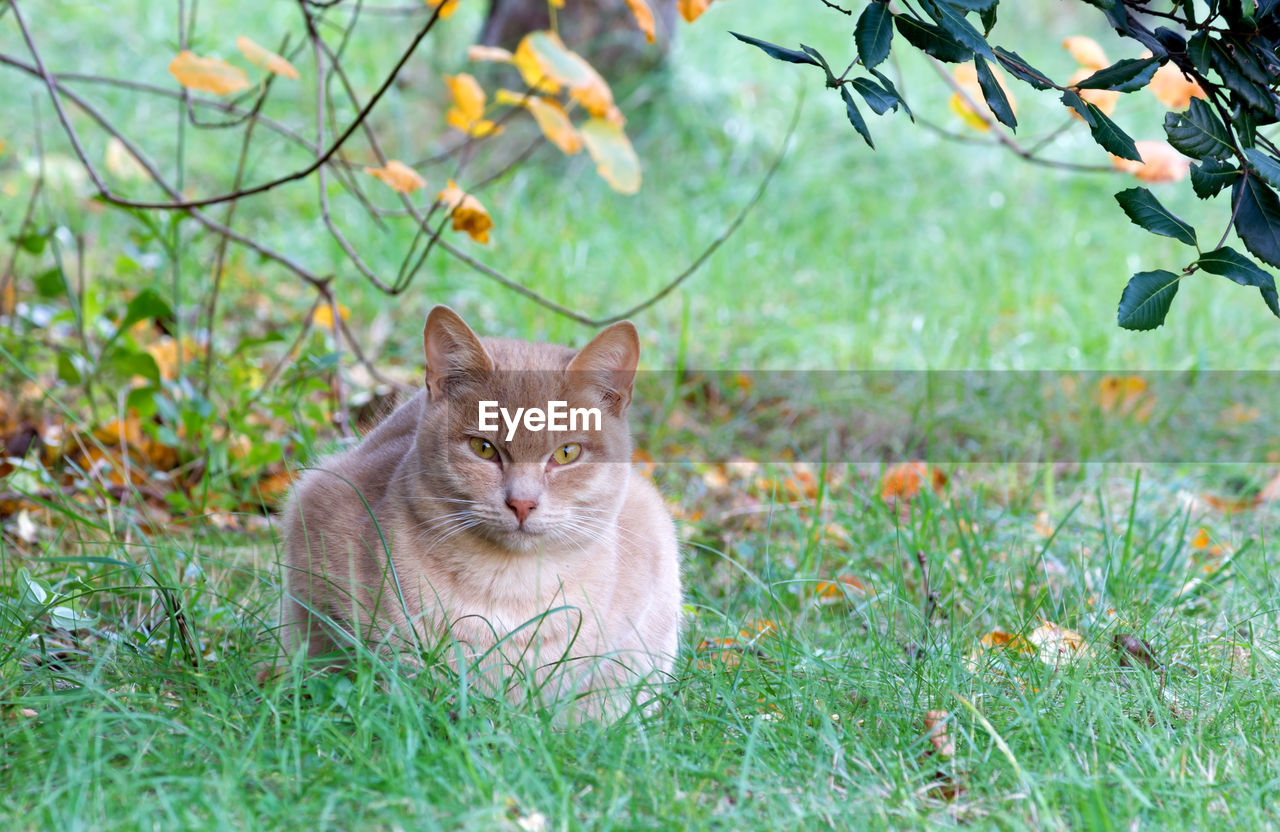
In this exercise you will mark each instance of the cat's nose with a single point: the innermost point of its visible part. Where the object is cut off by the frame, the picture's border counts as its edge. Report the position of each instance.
(522, 508)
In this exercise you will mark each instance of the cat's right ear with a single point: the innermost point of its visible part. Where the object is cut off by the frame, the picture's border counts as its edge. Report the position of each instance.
(452, 350)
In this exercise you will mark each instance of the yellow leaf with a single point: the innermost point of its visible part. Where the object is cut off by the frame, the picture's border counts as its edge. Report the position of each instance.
(644, 18)
(450, 6)
(615, 159)
(1173, 89)
(1104, 100)
(1058, 644)
(481, 128)
(468, 96)
(489, 53)
(207, 74)
(324, 315)
(1160, 163)
(691, 10)
(265, 58)
(563, 66)
(551, 118)
(468, 214)
(531, 69)
(1126, 396)
(398, 176)
(120, 162)
(1086, 51)
(842, 588)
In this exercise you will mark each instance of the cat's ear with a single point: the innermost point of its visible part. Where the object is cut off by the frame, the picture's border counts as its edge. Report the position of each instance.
(607, 366)
(452, 349)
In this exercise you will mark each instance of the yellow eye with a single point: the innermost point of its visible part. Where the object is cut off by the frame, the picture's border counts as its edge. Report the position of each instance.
(567, 453)
(483, 448)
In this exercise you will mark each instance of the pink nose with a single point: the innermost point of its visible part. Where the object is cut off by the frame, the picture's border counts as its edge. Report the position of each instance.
(522, 508)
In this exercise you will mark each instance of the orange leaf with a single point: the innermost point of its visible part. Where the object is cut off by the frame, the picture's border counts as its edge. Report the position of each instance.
(644, 18)
(842, 588)
(903, 481)
(468, 96)
(1173, 89)
(265, 58)
(489, 53)
(935, 728)
(450, 6)
(563, 66)
(1126, 396)
(207, 74)
(691, 10)
(758, 628)
(398, 176)
(468, 214)
(615, 159)
(1160, 163)
(999, 639)
(1086, 51)
(551, 117)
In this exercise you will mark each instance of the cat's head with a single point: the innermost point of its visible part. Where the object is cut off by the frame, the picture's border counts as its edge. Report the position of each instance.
(521, 480)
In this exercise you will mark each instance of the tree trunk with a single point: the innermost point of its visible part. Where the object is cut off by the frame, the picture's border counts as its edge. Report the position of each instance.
(602, 31)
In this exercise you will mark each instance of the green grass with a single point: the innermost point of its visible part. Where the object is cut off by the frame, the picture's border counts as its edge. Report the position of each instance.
(924, 254)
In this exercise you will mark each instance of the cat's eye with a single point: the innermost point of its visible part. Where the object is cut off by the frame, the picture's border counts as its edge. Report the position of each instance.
(566, 453)
(483, 448)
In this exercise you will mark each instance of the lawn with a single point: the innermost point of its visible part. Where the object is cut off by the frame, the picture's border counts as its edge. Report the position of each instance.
(1099, 628)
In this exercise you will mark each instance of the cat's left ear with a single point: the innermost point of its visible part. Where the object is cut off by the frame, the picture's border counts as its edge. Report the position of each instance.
(607, 366)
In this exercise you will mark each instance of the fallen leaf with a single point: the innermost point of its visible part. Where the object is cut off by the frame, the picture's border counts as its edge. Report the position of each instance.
(467, 212)
(1160, 163)
(1125, 396)
(207, 74)
(1133, 649)
(1057, 645)
(1087, 52)
(120, 162)
(1239, 414)
(841, 589)
(265, 58)
(1173, 89)
(758, 628)
(644, 18)
(935, 728)
(398, 176)
(904, 481)
(615, 159)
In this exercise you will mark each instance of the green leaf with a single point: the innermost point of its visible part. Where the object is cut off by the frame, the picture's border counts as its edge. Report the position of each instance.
(1105, 132)
(1145, 210)
(1199, 48)
(1146, 300)
(65, 618)
(1257, 218)
(1234, 266)
(1235, 71)
(49, 283)
(146, 305)
(127, 363)
(877, 99)
(822, 62)
(1198, 133)
(855, 117)
(67, 369)
(932, 40)
(1266, 167)
(31, 592)
(960, 29)
(892, 90)
(32, 242)
(873, 34)
(1019, 68)
(1125, 75)
(1211, 176)
(994, 94)
(973, 5)
(791, 56)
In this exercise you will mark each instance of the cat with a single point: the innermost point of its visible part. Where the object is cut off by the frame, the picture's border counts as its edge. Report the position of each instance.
(533, 555)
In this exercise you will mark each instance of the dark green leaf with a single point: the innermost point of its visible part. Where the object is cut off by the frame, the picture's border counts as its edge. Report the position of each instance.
(49, 283)
(1233, 265)
(1145, 210)
(1199, 48)
(822, 62)
(1198, 132)
(892, 90)
(877, 99)
(127, 363)
(1211, 176)
(1145, 301)
(32, 242)
(994, 94)
(973, 5)
(1019, 68)
(1123, 76)
(67, 370)
(960, 29)
(1231, 66)
(988, 17)
(1105, 132)
(874, 34)
(1267, 167)
(146, 305)
(1257, 218)
(855, 117)
(791, 56)
(932, 40)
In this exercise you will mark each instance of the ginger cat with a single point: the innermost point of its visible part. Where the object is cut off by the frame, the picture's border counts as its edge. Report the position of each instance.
(542, 554)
